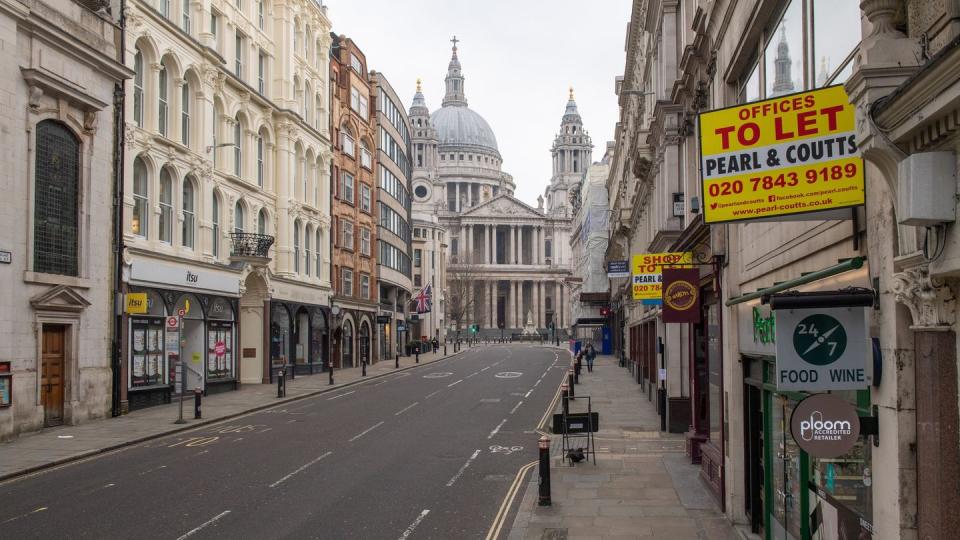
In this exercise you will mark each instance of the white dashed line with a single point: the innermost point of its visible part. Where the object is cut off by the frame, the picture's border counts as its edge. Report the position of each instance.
(406, 534)
(515, 407)
(486, 368)
(496, 429)
(275, 484)
(454, 382)
(431, 394)
(340, 395)
(407, 408)
(192, 532)
(528, 393)
(462, 469)
(368, 430)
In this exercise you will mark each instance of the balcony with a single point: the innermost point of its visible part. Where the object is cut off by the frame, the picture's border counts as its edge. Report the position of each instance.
(251, 247)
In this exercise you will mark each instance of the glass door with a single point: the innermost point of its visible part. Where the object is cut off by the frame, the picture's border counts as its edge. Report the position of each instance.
(786, 473)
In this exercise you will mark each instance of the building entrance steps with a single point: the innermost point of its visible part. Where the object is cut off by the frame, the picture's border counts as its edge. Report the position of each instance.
(55, 446)
(643, 484)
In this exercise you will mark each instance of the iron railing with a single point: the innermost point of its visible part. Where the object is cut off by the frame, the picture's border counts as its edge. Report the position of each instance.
(251, 244)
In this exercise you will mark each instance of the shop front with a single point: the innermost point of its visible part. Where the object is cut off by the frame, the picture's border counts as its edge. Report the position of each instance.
(193, 321)
(299, 338)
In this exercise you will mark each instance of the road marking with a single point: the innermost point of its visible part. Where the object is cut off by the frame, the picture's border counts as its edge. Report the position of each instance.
(431, 394)
(497, 429)
(301, 469)
(340, 395)
(470, 375)
(407, 408)
(486, 368)
(437, 375)
(498, 520)
(508, 374)
(368, 430)
(192, 532)
(454, 382)
(528, 393)
(464, 468)
(538, 382)
(497, 449)
(148, 471)
(515, 407)
(406, 534)
(41, 509)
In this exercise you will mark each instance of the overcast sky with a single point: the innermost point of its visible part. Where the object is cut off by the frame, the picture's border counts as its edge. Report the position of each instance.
(518, 57)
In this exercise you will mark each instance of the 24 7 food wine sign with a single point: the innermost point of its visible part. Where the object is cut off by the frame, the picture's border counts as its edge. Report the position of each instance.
(783, 156)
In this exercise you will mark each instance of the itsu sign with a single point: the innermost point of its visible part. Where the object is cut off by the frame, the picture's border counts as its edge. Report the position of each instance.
(822, 349)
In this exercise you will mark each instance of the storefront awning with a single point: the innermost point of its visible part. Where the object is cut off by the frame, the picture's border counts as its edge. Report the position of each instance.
(844, 266)
(591, 321)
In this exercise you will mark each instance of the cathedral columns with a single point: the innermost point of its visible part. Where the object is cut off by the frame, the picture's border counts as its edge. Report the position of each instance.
(469, 195)
(456, 203)
(486, 244)
(539, 245)
(536, 303)
(494, 241)
(510, 309)
(513, 245)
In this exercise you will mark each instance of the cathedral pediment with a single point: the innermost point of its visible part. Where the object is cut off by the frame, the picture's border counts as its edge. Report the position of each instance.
(502, 206)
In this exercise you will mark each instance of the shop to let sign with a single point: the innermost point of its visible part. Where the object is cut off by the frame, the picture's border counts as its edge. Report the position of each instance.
(779, 157)
(647, 273)
(821, 349)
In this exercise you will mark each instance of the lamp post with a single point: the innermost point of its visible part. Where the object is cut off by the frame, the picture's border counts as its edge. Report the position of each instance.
(335, 312)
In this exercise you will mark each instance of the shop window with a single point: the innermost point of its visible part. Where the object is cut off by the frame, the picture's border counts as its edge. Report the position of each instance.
(220, 340)
(147, 359)
(279, 335)
(56, 200)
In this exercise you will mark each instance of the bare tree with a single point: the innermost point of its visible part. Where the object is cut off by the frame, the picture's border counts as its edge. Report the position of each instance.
(462, 276)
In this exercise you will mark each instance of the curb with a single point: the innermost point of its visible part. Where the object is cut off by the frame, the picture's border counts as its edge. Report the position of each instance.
(203, 422)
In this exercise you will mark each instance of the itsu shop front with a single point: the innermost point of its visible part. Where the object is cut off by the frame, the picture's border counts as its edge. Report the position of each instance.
(184, 315)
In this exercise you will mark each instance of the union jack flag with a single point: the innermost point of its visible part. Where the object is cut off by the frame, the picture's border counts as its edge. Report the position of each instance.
(424, 299)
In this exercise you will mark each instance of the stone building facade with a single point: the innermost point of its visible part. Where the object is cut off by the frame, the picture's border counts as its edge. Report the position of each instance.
(588, 249)
(226, 207)
(60, 97)
(898, 69)
(354, 201)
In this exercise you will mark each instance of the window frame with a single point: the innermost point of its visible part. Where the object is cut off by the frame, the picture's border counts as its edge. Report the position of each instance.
(188, 229)
(366, 241)
(346, 276)
(366, 198)
(346, 234)
(346, 188)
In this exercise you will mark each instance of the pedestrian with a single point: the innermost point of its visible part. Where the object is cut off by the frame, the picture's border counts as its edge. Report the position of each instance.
(590, 354)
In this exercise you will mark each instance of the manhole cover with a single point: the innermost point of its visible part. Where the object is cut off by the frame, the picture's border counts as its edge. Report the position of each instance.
(554, 534)
(508, 375)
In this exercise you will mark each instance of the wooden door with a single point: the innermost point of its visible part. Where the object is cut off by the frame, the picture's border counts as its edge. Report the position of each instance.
(51, 377)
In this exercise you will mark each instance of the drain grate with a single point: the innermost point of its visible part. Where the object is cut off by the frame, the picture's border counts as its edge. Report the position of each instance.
(554, 534)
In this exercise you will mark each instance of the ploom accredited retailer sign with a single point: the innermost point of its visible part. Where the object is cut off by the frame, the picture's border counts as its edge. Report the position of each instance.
(825, 426)
(787, 155)
(821, 349)
(647, 270)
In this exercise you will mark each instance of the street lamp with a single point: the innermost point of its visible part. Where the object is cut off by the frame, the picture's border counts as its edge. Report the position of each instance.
(335, 312)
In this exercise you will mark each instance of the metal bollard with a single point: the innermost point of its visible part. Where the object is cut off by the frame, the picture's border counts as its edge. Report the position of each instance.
(570, 375)
(331, 373)
(281, 381)
(544, 445)
(564, 398)
(396, 361)
(418, 354)
(196, 402)
(577, 366)
(363, 367)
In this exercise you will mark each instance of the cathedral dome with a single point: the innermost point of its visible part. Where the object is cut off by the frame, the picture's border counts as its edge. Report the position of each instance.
(459, 125)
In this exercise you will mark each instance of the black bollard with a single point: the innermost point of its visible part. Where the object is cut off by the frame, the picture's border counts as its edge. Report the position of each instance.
(564, 398)
(544, 445)
(331, 373)
(196, 402)
(363, 368)
(444, 347)
(418, 354)
(396, 361)
(570, 383)
(280, 382)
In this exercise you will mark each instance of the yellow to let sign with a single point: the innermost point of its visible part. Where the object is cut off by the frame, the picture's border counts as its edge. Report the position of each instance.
(646, 272)
(136, 303)
(787, 155)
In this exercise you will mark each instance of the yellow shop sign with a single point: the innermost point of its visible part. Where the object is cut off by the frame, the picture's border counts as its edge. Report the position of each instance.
(783, 156)
(646, 272)
(136, 303)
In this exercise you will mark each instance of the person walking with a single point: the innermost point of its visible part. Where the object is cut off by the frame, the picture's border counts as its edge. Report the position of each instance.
(591, 353)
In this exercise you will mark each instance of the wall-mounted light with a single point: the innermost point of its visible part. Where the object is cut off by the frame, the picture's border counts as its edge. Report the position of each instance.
(678, 208)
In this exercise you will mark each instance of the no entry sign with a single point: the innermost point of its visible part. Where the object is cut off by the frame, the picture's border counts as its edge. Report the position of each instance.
(821, 349)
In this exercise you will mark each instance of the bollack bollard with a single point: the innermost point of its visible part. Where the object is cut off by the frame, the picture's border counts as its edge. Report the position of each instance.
(570, 375)
(196, 402)
(564, 398)
(544, 445)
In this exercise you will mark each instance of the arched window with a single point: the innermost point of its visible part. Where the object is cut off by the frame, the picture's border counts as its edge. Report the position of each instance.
(215, 219)
(57, 185)
(306, 250)
(316, 113)
(237, 152)
(260, 159)
(318, 252)
(217, 119)
(307, 94)
(238, 218)
(141, 200)
(260, 16)
(138, 88)
(189, 214)
(296, 246)
(185, 112)
(262, 222)
(166, 206)
(162, 106)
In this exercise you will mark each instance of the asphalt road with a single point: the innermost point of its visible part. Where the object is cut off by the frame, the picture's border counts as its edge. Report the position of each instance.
(425, 453)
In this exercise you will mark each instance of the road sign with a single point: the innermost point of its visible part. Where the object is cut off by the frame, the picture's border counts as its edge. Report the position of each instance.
(172, 323)
(618, 269)
(181, 312)
(821, 349)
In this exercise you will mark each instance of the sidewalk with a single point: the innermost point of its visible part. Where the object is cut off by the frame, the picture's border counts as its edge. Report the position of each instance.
(643, 485)
(53, 446)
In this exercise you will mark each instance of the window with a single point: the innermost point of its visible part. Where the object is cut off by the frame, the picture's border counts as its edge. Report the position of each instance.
(166, 206)
(238, 218)
(189, 214)
(306, 251)
(260, 159)
(141, 201)
(364, 108)
(164, 8)
(138, 88)
(162, 87)
(547, 248)
(215, 29)
(216, 127)
(364, 286)
(318, 117)
(307, 98)
(394, 222)
(185, 15)
(185, 114)
(366, 158)
(346, 282)
(57, 196)
(239, 4)
(296, 246)
(392, 257)
(420, 191)
(262, 222)
(260, 14)
(417, 258)
(346, 237)
(365, 241)
(365, 197)
(346, 187)
(355, 99)
(393, 186)
(238, 65)
(237, 152)
(319, 247)
(262, 71)
(417, 280)
(356, 64)
(346, 143)
(216, 224)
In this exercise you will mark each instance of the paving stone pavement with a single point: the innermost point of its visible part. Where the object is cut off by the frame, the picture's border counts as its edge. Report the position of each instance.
(53, 446)
(642, 486)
